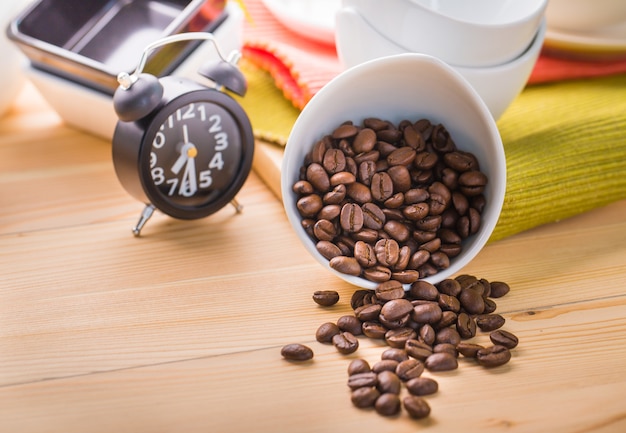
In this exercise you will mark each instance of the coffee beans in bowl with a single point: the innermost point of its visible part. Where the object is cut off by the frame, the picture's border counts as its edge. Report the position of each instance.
(390, 203)
(394, 171)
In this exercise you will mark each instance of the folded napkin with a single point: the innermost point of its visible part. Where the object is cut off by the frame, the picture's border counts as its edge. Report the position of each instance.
(564, 136)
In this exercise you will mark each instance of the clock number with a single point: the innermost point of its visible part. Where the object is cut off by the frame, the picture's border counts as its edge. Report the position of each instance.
(158, 175)
(216, 121)
(205, 179)
(217, 161)
(221, 139)
(202, 110)
(153, 159)
(159, 140)
(174, 184)
(188, 114)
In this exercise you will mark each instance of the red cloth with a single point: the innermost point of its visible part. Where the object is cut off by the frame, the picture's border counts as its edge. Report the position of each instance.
(300, 67)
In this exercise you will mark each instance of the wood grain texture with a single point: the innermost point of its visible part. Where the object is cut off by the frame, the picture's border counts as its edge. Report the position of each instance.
(181, 329)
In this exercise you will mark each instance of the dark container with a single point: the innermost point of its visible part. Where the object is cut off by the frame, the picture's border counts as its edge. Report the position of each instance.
(90, 42)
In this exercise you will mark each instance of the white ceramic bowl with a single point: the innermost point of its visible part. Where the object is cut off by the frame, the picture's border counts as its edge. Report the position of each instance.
(460, 32)
(585, 16)
(406, 86)
(498, 86)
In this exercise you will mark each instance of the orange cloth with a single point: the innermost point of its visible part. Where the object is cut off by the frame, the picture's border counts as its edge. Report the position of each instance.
(300, 67)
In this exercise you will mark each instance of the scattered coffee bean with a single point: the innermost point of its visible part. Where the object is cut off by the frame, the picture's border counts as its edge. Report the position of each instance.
(326, 298)
(499, 289)
(350, 323)
(422, 386)
(416, 407)
(359, 380)
(297, 352)
(493, 356)
(385, 365)
(409, 369)
(326, 332)
(468, 350)
(489, 322)
(345, 343)
(504, 338)
(388, 382)
(364, 397)
(387, 404)
(441, 361)
(358, 366)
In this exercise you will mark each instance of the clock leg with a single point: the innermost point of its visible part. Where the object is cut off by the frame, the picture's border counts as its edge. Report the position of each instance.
(143, 219)
(238, 207)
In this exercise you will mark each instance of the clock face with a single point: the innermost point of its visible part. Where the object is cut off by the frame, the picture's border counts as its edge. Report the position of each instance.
(195, 154)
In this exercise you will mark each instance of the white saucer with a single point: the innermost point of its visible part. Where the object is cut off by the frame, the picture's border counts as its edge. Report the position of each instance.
(607, 43)
(311, 19)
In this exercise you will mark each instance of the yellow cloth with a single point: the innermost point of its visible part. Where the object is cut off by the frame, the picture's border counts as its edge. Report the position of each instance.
(565, 145)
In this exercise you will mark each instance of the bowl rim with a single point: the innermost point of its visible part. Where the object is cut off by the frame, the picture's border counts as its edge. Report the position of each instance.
(345, 78)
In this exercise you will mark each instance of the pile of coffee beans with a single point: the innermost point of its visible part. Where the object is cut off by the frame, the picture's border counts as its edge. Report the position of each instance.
(384, 201)
(426, 328)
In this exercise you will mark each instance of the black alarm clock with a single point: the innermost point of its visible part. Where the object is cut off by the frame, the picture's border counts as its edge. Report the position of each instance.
(179, 146)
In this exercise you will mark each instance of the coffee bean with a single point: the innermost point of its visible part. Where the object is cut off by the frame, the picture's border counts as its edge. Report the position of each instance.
(345, 130)
(399, 336)
(472, 301)
(345, 343)
(387, 252)
(388, 382)
(384, 365)
(409, 369)
(418, 350)
(374, 330)
(345, 265)
(359, 192)
(466, 325)
(364, 254)
(364, 397)
(318, 177)
(349, 323)
(396, 308)
(377, 274)
(489, 322)
(426, 313)
(326, 298)
(387, 404)
(416, 407)
(504, 338)
(367, 312)
(328, 249)
(422, 386)
(499, 289)
(309, 205)
(423, 290)
(360, 380)
(358, 365)
(493, 356)
(427, 334)
(472, 182)
(448, 335)
(389, 291)
(468, 350)
(334, 161)
(450, 287)
(351, 217)
(441, 362)
(296, 352)
(326, 332)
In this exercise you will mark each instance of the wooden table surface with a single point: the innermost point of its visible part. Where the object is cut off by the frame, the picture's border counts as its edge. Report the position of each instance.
(180, 330)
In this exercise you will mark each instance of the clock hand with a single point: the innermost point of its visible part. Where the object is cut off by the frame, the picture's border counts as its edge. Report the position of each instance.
(189, 184)
(178, 164)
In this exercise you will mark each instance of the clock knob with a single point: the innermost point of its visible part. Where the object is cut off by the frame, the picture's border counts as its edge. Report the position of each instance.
(137, 96)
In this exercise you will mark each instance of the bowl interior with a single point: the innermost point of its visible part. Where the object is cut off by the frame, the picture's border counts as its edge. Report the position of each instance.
(406, 86)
